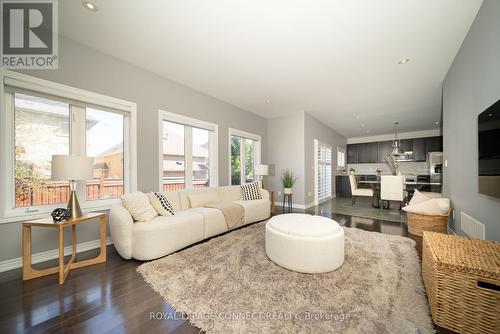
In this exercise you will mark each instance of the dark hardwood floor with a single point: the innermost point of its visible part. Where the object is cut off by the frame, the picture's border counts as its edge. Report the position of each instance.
(110, 297)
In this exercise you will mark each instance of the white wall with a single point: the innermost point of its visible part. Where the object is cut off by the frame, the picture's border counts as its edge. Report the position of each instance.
(314, 129)
(286, 151)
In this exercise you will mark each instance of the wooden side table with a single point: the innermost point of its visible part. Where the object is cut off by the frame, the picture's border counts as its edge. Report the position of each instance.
(287, 199)
(62, 269)
(272, 195)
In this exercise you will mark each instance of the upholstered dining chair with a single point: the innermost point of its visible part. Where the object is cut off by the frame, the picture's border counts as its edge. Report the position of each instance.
(356, 192)
(392, 189)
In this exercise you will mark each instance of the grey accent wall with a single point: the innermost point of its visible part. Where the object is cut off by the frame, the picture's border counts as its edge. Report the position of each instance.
(471, 85)
(286, 151)
(314, 129)
(86, 68)
(291, 145)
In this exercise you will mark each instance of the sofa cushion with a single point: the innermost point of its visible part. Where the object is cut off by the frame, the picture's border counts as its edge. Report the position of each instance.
(166, 234)
(173, 198)
(429, 207)
(255, 210)
(250, 191)
(138, 205)
(161, 204)
(184, 195)
(418, 197)
(214, 220)
(200, 199)
(229, 193)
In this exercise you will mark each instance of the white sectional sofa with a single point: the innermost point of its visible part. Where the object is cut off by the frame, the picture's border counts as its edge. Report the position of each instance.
(166, 234)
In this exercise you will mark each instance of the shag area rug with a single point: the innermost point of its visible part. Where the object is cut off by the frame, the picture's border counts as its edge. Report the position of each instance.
(228, 285)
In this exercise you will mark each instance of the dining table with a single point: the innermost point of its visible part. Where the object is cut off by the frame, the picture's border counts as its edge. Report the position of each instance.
(414, 185)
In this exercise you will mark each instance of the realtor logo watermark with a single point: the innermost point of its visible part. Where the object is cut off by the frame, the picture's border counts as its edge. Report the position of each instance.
(29, 35)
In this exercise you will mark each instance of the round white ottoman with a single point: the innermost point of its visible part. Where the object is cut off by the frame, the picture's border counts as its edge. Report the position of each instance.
(305, 243)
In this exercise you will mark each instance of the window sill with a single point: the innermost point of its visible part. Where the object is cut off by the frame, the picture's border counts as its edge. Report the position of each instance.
(103, 205)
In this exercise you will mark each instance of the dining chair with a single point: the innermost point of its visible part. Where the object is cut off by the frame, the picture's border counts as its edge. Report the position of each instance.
(392, 189)
(356, 192)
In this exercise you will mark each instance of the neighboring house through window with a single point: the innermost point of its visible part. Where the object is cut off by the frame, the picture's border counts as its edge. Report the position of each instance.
(42, 119)
(188, 157)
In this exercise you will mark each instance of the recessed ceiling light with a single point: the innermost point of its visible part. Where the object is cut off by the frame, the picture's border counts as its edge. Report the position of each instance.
(268, 101)
(490, 115)
(357, 117)
(89, 5)
(437, 123)
(404, 61)
(362, 125)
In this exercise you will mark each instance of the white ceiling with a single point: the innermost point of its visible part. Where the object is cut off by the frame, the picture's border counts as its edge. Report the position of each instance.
(335, 59)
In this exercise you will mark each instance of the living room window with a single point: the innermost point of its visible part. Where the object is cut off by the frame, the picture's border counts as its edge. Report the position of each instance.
(188, 152)
(323, 171)
(244, 152)
(42, 119)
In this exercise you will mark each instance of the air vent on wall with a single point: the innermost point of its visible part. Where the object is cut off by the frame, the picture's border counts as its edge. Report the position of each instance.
(472, 227)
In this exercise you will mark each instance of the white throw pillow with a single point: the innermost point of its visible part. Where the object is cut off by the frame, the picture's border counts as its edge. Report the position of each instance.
(418, 197)
(429, 207)
(200, 199)
(139, 206)
(444, 205)
(250, 191)
(161, 204)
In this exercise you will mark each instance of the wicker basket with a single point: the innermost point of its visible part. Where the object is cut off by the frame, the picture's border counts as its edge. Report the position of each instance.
(419, 222)
(462, 281)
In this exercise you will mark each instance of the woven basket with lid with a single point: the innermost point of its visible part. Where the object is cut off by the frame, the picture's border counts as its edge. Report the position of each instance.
(462, 280)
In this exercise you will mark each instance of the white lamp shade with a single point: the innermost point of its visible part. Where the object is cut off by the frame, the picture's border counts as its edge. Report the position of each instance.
(262, 170)
(72, 167)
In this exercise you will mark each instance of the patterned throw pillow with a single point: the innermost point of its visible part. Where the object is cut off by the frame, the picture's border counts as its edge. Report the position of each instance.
(251, 191)
(161, 204)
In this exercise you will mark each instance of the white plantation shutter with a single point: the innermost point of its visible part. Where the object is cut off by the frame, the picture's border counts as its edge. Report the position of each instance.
(324, 163)
(340, 158)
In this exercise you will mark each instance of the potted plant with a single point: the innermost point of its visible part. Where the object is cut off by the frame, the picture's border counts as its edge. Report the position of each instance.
(288, 181)
(352, 171)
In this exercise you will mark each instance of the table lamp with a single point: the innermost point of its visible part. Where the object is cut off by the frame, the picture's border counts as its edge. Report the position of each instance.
(72, 168)
(262, 170)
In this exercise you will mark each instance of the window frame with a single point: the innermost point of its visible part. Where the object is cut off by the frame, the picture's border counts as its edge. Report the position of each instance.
(341, 150)
(257, 152)
(190, 123)
(78, 98)
(317, 145)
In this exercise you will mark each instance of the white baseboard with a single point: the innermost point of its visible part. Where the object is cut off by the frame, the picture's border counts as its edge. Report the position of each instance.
(302, 206)
(450, 231)
(51, 254)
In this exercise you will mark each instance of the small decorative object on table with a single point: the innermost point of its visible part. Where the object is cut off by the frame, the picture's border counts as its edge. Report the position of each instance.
(352, 171)
(60, 214)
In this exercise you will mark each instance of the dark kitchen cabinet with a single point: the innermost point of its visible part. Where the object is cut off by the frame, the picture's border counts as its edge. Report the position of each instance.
(434, 144)
(419, 149)
(367, 153)
(406, 145)
(383, 150)
(342, 186)
(352, 153)
(376, 152)
(422, 146)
